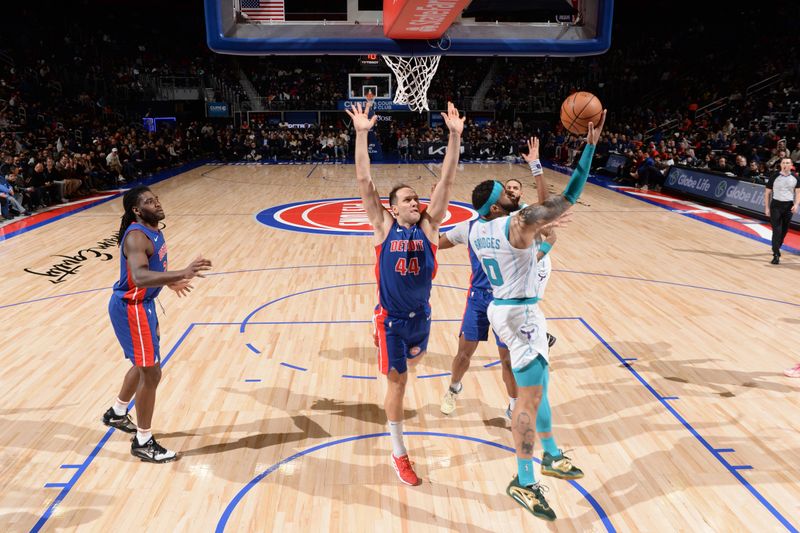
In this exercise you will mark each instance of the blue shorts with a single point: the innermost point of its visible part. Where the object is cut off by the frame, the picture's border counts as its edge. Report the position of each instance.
(475, 323)
(136, 326)
(400, 338)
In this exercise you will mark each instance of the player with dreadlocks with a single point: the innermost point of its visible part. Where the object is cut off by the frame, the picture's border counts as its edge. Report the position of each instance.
(143, 272)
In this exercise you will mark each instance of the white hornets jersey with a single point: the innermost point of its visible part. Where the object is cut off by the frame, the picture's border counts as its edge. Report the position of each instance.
(511, 271)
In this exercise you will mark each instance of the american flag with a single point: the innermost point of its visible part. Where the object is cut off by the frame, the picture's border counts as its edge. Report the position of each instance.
(259, 10)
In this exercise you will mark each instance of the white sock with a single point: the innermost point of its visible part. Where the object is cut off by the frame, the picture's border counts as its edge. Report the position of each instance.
(143, 435)
(396, 430)
(456, 386)
(120, 408)
(512, 403)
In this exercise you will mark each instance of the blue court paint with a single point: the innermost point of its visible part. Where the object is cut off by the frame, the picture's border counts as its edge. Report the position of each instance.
(724, 450)
(71, 483)
(305, 322)
(276, 300)
(253, 348)
(294, 367)
(604, 184)
(350, 376)
(226, 515)
(155, 178)
(489, 365)
(56, 296)
(682, 285)
(71, 466)
(54, 485)
(246, 320)
(714, 223)
(669, 397)
(270, 217)
(252, 381)
(599, 274)
(284, 323)
(271, 269)
(733, 471)
(434, 375)
(742, 467)
(37, 225)
(79, 471)
(629, 359)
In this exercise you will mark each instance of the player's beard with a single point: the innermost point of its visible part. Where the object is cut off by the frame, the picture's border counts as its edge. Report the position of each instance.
(151, 218)
(510, 207)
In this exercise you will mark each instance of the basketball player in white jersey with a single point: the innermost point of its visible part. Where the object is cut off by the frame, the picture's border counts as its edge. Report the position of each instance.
(505, 247)
(475, 324)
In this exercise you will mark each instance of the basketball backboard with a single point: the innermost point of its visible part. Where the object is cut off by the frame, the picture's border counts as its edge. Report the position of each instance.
(356, 27)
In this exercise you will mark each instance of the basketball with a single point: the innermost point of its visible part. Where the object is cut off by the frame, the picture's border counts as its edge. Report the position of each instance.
(578, 110)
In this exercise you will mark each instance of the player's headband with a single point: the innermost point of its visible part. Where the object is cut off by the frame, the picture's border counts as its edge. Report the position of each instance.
(497, 190)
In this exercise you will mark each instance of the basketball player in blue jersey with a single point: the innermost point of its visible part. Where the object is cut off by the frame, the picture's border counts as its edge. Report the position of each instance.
(405, 245)
(143, 272)
(506, 249)
(475, 322)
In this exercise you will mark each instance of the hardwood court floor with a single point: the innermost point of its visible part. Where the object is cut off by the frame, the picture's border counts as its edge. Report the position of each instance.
(282, 429)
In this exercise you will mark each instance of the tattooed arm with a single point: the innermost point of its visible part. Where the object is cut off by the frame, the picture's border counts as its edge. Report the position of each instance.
(530, 220)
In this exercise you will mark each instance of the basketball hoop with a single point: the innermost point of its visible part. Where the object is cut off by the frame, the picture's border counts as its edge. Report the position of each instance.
(414, 75)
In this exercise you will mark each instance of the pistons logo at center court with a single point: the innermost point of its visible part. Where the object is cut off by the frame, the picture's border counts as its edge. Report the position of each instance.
(342, 216)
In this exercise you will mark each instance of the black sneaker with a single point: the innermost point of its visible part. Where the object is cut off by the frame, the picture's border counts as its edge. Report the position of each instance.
(531, 498)
(122, 423)
(151, 451)
(551, 340)
(775, 259)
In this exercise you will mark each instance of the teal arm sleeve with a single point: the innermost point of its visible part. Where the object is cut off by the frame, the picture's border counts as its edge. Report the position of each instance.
(579, 175)
(545, 247)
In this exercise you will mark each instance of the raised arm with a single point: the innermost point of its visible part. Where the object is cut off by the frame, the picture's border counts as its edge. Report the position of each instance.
(531, 219)
(371, 200)
(441, 194)
(532, 158)
(581, 172)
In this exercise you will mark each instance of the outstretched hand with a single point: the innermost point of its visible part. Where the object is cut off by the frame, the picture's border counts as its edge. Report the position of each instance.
(564, 219)
(533, 150)
(181, 288)
(594, 131)
(360, 116)
(196, 268)
(455, 123)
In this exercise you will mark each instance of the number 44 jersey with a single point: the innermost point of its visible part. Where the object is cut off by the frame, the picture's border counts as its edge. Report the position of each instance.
(405, 268)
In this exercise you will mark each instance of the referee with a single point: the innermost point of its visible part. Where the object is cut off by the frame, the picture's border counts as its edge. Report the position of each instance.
(782, 187)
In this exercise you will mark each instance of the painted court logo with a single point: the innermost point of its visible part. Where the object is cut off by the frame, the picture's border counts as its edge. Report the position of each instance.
(341, 216)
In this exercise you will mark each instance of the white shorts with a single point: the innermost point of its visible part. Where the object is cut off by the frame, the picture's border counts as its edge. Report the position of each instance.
(543, 270)
(523, 329)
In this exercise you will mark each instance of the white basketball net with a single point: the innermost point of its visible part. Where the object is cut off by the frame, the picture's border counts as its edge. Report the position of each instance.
(413, 75)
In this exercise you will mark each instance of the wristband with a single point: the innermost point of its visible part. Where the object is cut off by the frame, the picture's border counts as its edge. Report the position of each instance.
(536, 167)
(545, 247)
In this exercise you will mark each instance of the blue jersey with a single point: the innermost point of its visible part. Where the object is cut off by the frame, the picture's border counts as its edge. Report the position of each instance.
(405, 268)
(460, 235)
(124, 287)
